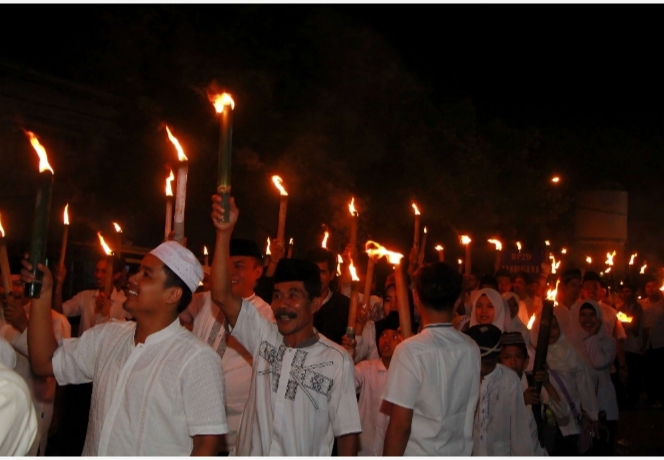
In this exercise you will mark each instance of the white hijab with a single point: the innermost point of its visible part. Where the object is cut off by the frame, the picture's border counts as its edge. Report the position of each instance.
(577, 334)
(561, 355)
(501, 318)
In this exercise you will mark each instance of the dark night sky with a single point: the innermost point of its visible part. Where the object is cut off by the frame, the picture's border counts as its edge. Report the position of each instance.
(585, 77)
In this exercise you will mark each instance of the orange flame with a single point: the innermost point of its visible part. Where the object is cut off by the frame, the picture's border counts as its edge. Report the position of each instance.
(607, 270)
(169, 188)
(374, 249)
(555, 179)
(499, 245)
(2, 230)
(41, 152)
(589, 260)
(460, 261)
(563, 251)
(219, 101)
(176, 143)
(65, 215)
(643, 269)
(547, 242)
(417, 211)
(631, 259)
(531, 321)
(267, 250)
(205, 251)
(554, 264)
(353, 272)
(118, 229)
(104, 246)
(278, 183)
(340, 261)
(291, 242)
(552, 293)
(425, 229)
(439, 248)
(465, 239)
(351, 207)
(623, 318)
(609, 258)
(518, 245)
(325, 237)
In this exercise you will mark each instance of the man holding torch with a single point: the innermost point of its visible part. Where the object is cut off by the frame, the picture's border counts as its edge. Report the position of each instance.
(302, 395)
(158, 390)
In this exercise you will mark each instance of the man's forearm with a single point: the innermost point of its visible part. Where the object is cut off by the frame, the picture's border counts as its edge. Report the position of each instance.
(220, 280)
(206, 445)
(41, 339)
(347, 445)
(396, 440)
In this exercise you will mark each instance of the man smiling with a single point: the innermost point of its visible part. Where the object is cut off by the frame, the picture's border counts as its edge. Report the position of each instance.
(303, 393)
(158, 390)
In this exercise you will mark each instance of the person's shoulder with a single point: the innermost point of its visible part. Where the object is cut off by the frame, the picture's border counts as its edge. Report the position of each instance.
(185, 340)
(334, 349)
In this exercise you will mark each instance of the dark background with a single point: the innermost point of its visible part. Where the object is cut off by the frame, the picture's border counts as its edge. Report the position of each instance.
(467, 109)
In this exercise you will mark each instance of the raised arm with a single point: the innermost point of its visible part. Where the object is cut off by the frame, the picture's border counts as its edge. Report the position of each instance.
(220, 279)
(41, 339)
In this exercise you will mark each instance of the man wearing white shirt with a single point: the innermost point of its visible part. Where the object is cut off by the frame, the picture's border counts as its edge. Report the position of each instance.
(89, 304)
(158, 390)
(302, 394)
(208, 322)
(15, 332)
(18, 422)
(434, 377)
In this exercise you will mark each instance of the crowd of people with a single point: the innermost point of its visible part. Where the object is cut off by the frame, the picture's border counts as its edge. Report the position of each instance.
(255, 357)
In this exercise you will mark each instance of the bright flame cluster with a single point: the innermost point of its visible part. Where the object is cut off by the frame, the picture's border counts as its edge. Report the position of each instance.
(278, 182)
(439, 248)
(631, 259)
(499, 245)
(176, 144)
(518, 245)
(65, 215)
(465, 239)
(351, 207)
(374, 249)
(325, 238)
(41, 152)
(169, 188)
(417, 211)
(643, 269)
(554, 265)
(205, 251)
(267, 250)
(531, 322)
(609, 258)
(353, 272)
(104, 246)
(118, 229)
(219, 101)
(623, 318)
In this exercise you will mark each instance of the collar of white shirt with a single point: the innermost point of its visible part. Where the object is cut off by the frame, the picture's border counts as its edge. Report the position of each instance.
(165, 333)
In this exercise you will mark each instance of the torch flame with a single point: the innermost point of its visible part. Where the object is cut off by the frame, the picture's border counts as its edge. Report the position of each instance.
(499, 245)
(563, 251)
(623, 318)
(118, 229)
(607, 270)
(643, 269)
(2, 230)
(518, 245)
(205, 251)
(374, 249)
(340, 261)
(65, 215)
(439, 248)
(104, 246)
(325, 237)
(267, 250)
(353, 272)
(552, 293)
(589, 260)
(41, 152)
(220, 101)
(425, 229)
(465, 239)
(351, 207)
(460, 261)
(554, 264)
(278, 183)
(547, 242)
(631, 259)
(169, 188)
(291, 242)
(609, 258)
(176, 143)
(555, 179)
(531, 321)
(417, 211)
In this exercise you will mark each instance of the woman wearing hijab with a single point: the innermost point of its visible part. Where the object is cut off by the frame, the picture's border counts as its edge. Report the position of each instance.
(515, 308)
(572, 380)
(488, 307)
(598, 350)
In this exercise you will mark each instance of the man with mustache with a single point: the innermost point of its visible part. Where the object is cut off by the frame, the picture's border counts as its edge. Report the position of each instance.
(302, 395)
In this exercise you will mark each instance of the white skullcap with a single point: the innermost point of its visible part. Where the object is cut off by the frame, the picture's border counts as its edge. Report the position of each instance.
(181, 261)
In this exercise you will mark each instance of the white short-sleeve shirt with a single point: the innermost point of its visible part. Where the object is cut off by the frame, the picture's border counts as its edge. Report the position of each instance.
(370, 377)
(83, 305)
(148, 399)
(437, 374)
(301, 398)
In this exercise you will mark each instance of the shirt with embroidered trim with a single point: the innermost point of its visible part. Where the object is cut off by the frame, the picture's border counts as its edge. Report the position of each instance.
(301, 398)
(148, 398)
